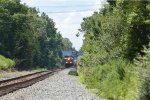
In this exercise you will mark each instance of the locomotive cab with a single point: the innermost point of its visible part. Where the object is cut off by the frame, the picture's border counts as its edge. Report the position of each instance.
(69, 61)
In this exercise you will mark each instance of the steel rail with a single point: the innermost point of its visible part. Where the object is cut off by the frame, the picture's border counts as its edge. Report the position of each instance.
(10, 85)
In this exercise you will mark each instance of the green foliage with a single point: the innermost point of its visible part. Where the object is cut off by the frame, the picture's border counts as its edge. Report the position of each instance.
(39, 69)
(74, 73)
(6, 63)
(115, 80)
(114, 37)
(67, 44)
(29, 38)
(143, 62)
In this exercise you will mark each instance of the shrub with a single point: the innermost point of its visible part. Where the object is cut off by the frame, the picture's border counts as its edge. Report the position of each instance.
(143, 63)
(74, 73)
(117, 80)
(6, 63)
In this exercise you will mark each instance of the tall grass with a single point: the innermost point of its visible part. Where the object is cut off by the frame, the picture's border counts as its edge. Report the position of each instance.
(6, 63)
(116, 80)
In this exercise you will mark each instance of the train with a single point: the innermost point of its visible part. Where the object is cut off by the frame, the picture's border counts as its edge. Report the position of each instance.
(69, 61)
(70, 58)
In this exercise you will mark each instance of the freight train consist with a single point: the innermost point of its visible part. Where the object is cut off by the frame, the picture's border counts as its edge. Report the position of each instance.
(69, 58)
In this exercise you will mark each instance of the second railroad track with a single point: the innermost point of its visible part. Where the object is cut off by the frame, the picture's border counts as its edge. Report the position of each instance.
(10, 85)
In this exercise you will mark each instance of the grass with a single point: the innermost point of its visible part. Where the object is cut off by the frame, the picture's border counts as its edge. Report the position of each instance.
(6, 63)
(115, 80)
(38, 69)
(13, 74)
(73, 73)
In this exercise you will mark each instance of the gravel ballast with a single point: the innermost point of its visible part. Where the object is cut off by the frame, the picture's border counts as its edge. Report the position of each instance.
(60, 86)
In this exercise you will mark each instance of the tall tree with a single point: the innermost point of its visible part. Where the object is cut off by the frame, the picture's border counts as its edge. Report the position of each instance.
(30, 39)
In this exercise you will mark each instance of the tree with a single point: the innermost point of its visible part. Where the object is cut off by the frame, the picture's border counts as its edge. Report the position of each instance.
(67, 44)
(30, 39)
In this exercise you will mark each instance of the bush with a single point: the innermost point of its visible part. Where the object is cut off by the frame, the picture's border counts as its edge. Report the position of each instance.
(74, 73)
(143, 62)
(6, 63)
(117, 80)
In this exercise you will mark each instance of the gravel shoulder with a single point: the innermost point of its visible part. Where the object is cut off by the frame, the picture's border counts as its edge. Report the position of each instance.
(60, 86)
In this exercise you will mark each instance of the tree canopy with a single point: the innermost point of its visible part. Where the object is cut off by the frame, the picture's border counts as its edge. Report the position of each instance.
(29, 38)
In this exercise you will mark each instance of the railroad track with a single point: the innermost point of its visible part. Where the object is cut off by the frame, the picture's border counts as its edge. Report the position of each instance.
(10, 85)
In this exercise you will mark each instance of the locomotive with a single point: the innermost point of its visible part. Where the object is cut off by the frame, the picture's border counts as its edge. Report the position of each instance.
(69, 58)
(69, 61)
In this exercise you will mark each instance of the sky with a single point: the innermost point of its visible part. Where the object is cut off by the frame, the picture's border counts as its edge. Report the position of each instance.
(67, 15)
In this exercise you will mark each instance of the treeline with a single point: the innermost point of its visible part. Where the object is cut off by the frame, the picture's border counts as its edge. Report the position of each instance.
(116, 50)
(27, 37)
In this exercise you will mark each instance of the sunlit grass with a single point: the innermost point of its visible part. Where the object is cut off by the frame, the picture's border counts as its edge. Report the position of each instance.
(116, 80)
(39, 69)
(13, 74)
(6, 63)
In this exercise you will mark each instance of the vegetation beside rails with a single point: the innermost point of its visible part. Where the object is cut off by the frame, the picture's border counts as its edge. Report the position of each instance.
(116, 80)
(39, 69)
(6, 63)
(116, 50)
(73, 73)
(11, 74)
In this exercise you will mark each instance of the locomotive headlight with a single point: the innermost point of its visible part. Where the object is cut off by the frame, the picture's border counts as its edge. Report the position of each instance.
(70, 62)
(66, 62)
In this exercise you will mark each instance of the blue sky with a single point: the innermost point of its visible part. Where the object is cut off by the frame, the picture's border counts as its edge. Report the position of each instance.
(67, 15)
